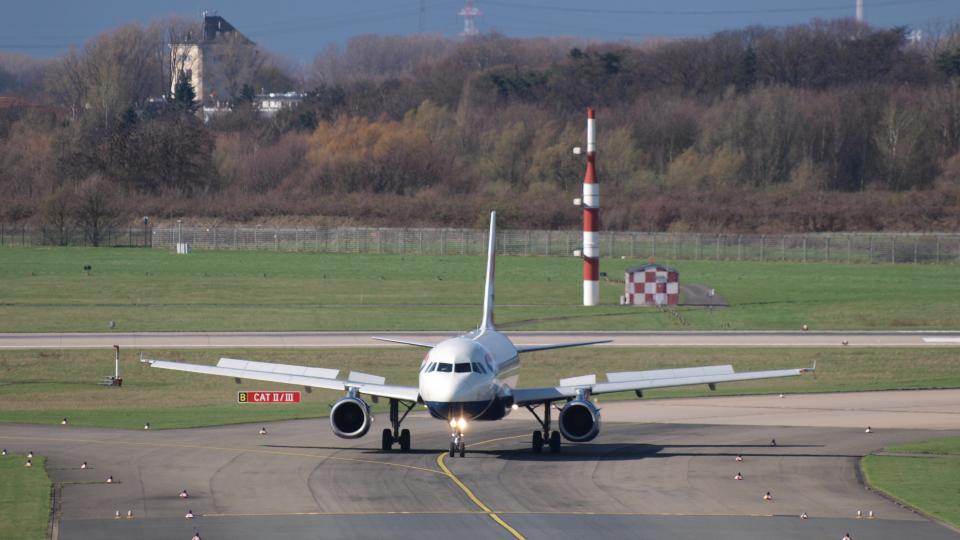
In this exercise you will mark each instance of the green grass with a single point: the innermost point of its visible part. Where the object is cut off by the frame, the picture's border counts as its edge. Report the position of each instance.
(929, 484)
(945, 446)
(45, 289)
(44, 386)
(24, 498)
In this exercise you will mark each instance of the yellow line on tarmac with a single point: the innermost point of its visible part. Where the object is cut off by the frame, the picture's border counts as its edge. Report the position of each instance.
(488, 441)
(493, 515)
(224, 449)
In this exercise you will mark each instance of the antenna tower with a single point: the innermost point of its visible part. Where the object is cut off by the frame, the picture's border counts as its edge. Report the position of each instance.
(859, 11)
(469, 12)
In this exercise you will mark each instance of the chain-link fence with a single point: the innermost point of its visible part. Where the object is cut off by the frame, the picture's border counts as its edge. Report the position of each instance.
(22, 235)
(833, 248)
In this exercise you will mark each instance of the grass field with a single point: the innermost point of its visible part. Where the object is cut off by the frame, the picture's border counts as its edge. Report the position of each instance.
(24, 498)
(44, 386)
(45, 289)
(930, 484)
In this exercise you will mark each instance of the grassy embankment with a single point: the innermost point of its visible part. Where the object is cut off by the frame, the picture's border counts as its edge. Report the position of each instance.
(45, 289)
(24, 498)
(929, 483)
(44, 386)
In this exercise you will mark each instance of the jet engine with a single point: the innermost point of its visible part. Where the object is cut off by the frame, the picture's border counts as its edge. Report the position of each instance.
(579, 420)
(350, 418)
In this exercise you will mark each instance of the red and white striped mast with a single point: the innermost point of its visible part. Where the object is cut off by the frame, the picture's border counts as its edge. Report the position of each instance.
(591, 219)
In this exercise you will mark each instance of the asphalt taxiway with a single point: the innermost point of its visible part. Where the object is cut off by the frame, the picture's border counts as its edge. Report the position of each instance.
(659, 469)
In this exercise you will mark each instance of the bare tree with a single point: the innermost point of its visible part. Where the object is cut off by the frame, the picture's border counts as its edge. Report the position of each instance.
(234, 63)
(97, 209)
(114, 72)
(57, 215)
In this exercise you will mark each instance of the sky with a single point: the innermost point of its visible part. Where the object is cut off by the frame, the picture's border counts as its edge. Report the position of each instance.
(299, 29)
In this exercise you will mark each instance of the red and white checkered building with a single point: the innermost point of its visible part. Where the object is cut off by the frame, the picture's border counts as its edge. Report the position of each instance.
(651, 285)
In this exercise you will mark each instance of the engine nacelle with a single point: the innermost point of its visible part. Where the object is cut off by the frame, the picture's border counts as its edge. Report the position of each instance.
(350, 418)
(579, 421)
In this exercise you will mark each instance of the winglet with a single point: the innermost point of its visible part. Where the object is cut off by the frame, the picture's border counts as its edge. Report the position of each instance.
(810, 369)
(487, 321)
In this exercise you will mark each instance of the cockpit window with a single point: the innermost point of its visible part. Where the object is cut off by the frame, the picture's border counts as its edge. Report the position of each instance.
(445, 368)
(463, 368)
(430, 367)
(477, 368)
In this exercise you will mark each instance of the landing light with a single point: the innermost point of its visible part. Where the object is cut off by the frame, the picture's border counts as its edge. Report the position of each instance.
(462, 424)
(514, 407)
(453, 422)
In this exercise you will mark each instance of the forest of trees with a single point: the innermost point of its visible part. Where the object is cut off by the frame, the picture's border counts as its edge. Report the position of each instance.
(821, 127)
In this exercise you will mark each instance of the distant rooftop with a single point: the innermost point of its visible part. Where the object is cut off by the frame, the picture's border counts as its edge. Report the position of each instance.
(214, 28)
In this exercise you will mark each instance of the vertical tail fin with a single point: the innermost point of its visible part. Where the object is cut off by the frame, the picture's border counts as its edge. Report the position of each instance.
(491, 271)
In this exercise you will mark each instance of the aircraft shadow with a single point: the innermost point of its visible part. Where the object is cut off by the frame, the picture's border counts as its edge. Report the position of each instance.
(365, 451)
(600, 451)
(636, 451)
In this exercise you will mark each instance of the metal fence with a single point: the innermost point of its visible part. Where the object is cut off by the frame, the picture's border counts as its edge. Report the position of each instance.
(833, 248)
(24, 235)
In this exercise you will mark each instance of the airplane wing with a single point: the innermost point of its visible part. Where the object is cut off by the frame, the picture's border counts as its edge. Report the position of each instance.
(531, 348)
(645, 380)
(309, 377)
(406, 342)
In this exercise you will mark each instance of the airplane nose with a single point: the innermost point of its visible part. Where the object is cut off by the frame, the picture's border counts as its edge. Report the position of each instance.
(454, 388)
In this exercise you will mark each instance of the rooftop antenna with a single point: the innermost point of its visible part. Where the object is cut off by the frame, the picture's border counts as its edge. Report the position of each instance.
(469, 12)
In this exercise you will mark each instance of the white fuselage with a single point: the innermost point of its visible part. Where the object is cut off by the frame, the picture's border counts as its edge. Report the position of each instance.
(466, 376)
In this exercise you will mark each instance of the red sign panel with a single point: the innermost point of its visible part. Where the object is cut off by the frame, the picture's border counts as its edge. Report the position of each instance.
(268, 397)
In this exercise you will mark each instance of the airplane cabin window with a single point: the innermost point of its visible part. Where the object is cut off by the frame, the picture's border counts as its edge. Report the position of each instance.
(445, 368)
(463, 368)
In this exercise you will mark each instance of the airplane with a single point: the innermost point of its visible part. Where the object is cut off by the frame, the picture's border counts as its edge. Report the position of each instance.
(473, 377)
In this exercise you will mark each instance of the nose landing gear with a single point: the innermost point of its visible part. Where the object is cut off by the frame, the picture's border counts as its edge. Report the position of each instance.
(457, 446)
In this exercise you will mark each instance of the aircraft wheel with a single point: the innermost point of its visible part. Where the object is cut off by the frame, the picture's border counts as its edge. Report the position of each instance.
(453, 449)
(405, 440)
(463, 449)
(386, 441)
(537, 442)
(555, 442)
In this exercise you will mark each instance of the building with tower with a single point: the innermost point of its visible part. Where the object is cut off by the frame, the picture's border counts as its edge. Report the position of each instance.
(214, 59)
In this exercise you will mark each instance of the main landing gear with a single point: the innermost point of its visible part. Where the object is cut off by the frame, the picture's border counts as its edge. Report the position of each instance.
(396, 435)
(551, 438)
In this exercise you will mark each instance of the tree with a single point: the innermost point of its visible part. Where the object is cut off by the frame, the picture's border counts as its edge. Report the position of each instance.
(949, 63)
(747, 71)
(247, 94)
(96, 209)
(57, 213)
(184, 94)
(234, 62)
(114, 71)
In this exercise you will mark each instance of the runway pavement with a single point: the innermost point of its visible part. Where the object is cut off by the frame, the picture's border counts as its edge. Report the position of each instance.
(659, 469)
(199, 340)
